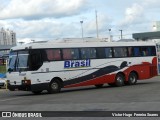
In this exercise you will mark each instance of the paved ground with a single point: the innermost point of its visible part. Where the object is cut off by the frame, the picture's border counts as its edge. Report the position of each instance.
(145, 96)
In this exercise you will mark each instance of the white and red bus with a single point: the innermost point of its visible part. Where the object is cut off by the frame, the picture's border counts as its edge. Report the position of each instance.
(51, 65)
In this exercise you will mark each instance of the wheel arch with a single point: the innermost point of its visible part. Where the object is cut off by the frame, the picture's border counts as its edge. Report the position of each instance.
(58, 79)
(118, 82)
(135, 73)
(121, 74)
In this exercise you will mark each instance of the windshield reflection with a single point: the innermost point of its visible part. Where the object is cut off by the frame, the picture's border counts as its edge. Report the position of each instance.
(18, 61)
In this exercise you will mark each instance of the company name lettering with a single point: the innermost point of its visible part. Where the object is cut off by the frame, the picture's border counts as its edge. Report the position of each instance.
(77, 63)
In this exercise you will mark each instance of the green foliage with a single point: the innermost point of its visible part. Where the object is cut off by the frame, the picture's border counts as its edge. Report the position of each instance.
(2, 69)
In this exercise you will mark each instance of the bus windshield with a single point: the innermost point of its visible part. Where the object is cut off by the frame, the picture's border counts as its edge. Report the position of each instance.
(18, 61)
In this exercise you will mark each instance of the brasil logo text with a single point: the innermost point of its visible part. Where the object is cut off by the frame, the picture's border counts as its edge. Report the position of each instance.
(77, 63)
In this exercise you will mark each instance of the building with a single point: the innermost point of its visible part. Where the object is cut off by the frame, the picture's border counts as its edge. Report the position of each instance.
(126, 40)
(7, 40)
(7, 37)
(156, 26)
(146, 35)
(153, 34)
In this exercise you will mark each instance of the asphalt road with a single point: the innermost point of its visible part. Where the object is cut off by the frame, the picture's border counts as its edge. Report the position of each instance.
(145, 96)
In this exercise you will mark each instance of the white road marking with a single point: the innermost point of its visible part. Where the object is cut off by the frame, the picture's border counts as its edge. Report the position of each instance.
(10, 99)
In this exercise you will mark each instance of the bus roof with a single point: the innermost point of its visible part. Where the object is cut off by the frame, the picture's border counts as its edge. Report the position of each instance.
(74, 44)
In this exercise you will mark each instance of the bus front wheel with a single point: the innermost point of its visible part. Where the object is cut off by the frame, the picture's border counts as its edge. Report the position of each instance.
(54, 87)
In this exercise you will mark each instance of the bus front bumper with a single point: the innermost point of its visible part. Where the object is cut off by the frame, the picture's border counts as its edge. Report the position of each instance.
(34, 87)
(19, 87)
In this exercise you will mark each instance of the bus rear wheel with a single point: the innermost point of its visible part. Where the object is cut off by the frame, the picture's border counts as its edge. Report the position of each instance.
(99, 85)
(119, 80)
(132, 79)
(54, 87)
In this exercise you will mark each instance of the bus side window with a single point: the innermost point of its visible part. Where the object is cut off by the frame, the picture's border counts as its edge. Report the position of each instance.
(136, 51)
(88, 53)
(153, 51)
(53, 54)
(35, 59)
(130, 52)
(67, 54)
(84, 53)
(72, 54)
(49, 54)
(100, 53)
(108, 52)
(148, 51)
(92, 52)
(120, 52)
(144, 51)
(75, 53)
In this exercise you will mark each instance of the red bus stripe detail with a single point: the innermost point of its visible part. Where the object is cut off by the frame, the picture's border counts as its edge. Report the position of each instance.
(100, 80)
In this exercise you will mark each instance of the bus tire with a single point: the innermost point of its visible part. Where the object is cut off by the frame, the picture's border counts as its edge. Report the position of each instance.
(132, 79)
(119, 80)
(99, 85)
(54, 87)
(37, 92)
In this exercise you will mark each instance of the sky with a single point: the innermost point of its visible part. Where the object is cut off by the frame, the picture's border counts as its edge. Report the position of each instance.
(54, 19)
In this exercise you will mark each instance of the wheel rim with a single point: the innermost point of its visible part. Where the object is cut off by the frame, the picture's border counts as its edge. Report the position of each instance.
(54, 86)
(132, 79)
(120, 79)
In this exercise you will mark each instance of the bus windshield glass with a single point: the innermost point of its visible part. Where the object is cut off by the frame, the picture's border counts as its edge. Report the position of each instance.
(18, 61)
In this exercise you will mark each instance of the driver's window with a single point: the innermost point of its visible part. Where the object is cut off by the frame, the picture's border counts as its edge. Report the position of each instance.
(35, 60)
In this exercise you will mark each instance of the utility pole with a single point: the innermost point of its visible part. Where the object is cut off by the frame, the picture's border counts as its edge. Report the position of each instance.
(110, 35)
(96, 23)
(121, 33)
(82, 27)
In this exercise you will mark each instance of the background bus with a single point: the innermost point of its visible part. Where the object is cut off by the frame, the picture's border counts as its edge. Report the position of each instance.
(51, 66)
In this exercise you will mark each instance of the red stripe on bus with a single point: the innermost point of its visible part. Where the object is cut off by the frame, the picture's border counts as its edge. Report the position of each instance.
(145, 70)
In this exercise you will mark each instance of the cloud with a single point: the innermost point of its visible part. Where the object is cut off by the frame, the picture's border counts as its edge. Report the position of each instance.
(33, 9)
(103, 20)
(141, 12)
(139, 16)
(51, 19)
(133, 14)
(151, 4)
(50, 28)
(43, 29)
